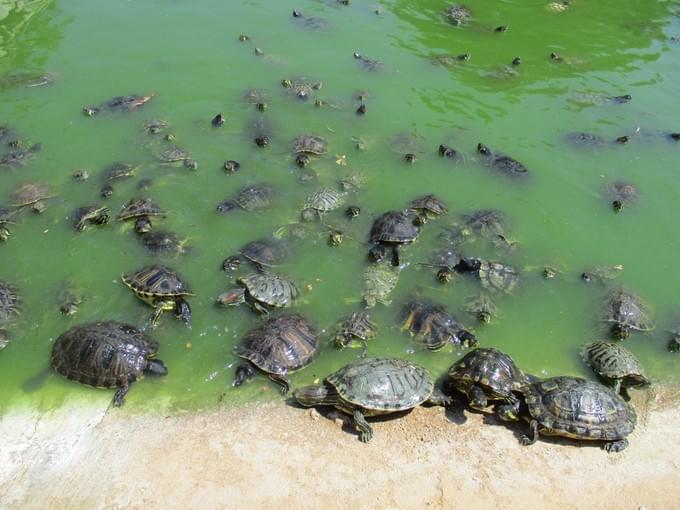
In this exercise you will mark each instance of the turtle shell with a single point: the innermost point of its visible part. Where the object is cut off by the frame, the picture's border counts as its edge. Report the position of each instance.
(626, 309)
(433, 325)
(310, 144)
(156, 281)
(584, 139)
(325, 199)
(394, 227)
(270, 289)
(379, 280)
(429, 204)
(161, 242)
(281, 345)
(358, 325)
(382, 384)
(615, 362)
(486, 223)
(580, 409)
(498, 277)
(493, 370)
(118, 171)
(103, 354)
(265, 252)
(30, 193)
(10, 303)
(257, 196)
(457, 14)
(138, 207)
(482, 307)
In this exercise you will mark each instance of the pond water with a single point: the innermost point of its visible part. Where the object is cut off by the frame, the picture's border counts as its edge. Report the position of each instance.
(189, 55)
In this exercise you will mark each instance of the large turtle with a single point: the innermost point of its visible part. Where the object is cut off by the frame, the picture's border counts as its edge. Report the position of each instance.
(371, 387)
(356, 327)
(262, 253)
(497, 277)
(118, 104)
(433, 326)
(488, 375)
(106, 355)
(141, 210)
(625, 312)
(379, 280)
(277, 347)
(615, 364)
(392, 229)
(31, 194)
(579, 409)
(251, 198)
(501, 162)
(162, 288)
(261, 291)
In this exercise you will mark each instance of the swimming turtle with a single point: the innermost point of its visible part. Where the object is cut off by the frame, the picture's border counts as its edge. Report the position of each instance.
(489, 224)
(482, 307)
(173, 154)
(501, 162)
(7, 215)
(579, 409)
(450, 60)
(445, 261)
(257, 97)
(106, 354)
(352, 182)
(310, 144)
(119, 104)
(162, 288)
(250, 198)
(408, 145)
(372, 387)
(155, 126)
(10, 308)
(94, 214)
(162, 242)
(457, 15)
(321, 201)
(262, 253)
(19, 156)
(311, 22)
(31, 194)
(487, 375)
(119, 170)
(625, 312)
(140, 210)
(497, 277)
(372, 64)
(429, 205)
(621, 193)
(601, 273)
(433, 326)
(262, 291)
(378, 281)
(356, 327)
(614, 363)
(277, 347)
(392, 229)
(582, 139)
(300, 86)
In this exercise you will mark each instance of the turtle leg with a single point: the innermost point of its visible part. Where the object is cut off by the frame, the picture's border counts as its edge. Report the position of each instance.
(364, 349)
(532, 436)
(395, 255)
(615, 446)
(259, 308)
(365, 430)
(182, 310)
(156, 315)
(119, 397)
(477, 398)
(508, 411)
(281, 381)
(617, 386)
(438, 398)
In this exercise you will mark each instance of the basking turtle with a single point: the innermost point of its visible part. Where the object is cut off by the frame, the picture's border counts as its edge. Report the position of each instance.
(378, 281)
(482, 307)
(262, 291)
(119, 170)
(118, 104)
(277, 347)
(162, 242)
(310, 144)
(31, 194)
(625, 312)
(501, 162)
(321, 201)
(371, 387)
(487, 375)
(621, 193)
(140, 210)
(582, 139)
(251, 198)
(94, 214)
(262, 253)
(457, 15)
(162, 288)
(579, 409)
(19, 156)
(614, 363)
(428, 205)
(355, 328)
(497, 277)
(393, 229)
(434, 327)
(106, 355)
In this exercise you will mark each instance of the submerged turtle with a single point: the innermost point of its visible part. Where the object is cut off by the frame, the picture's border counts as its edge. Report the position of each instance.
(119, 170)
(106, 355)
(601, 274)
(621, 193)
(162, 242)
(428, 205)
(162, 288)
(250, 198)
(487, 375)
(310, 144)
(352, 182)
(155, 126)
(118, 104)
(614, 363)
(378, 281)
(371, 64)
(10, 308)
(450, 60)
(355, 328)
(482, 307)
(434, 327)
(392, 229)
(19, 156)
(309, 21)
(262, 291)
(300, 87)
(584, 139)
(501, 162)
(257, 97)
(579, 409)
(457, 15)
(94, 214)
(141, 210)
(278, 347)
(445, 261)
(489, 224)
(498, 277)
(625, 312)
(31, 194)
(173, 154)
(371, 387)
(7, 215)
(321, 201)
(262, 253)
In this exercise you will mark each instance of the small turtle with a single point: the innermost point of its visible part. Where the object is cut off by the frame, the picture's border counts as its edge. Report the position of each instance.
(173, 154)
(69, 299)
(497, 277)
(428, 205)
(300, 87)
(407, 145)
(19, 156)
(310, 144)
(106, 355)
(371, 64)
(277, 347)
(488, 224)
(558, 7)
(140, 210)
(155, 126)
(615, 364)
(261, 291)
(80, 175)
(450, 60)
(231, 166)
(262, 253)
(335, 237)
(321, 201)
(118, 104)
(487, 375)
(579, 409)
(621, 193)
(352, 182)
(257, 97)
(31, 194)
(446, 151)
(162, 288)
(310, 22)
(482, 307)
(355, 328)
(372, 387)
(457, 15)
(94, 214)
(393, 229)
(601, 274)
(119, 170)
(251, 198)
(625, 312)
(434, 327)
(378, 281)
(353, 211)
(501, 162)
(582, 139)
(7, 215)
(10, 304)
(445, 262)
(162, 242)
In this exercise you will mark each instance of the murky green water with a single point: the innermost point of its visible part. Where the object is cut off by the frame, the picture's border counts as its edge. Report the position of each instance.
(190, 56)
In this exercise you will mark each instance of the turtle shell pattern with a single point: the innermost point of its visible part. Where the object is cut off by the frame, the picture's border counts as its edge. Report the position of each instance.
(394, 227)
(266, 252)
(625, 308)
(9, 303)
(325, 199)
(270, 289)
(310, 144)
(493, 370)
(138, 207)
(157, 281)
(613, 361)
(378, 281)
(498, 277)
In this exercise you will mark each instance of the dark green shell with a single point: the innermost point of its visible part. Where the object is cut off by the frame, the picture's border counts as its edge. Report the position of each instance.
(138, 207)
(325, 199)
(265, 252)
(494, 371)
(580, 409)
(626, 309)
(156, 281)
(613, 361)
(433, 326)
(358, 325)
(257, 196)
(394, 227)
(10, 303)
(91, 213)
(310, 144)
(103, 354)
(382, 384)
(118, 171)
(378, 281)
(161, 242)
(429, 204)
(270, 289)
(281, 345)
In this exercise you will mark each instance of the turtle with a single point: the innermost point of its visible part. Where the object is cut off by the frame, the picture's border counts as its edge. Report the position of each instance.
(615, 364)
(300, 86)
(262, 253)
(19, 156)
(119, 170)
(321, 201)
(625, 312)
(173, 154)
(277, 347)
(579, 409)
(450, 60)
(392, 229)
(163, 242)
(10, 309)
(155, 126)
(310, 22)
(94, 214)
(371, 64)
(80, 175)
(371, 387)
(7, 215)
(378, 281)
(28, 79)
(250, 198)
(445, 262)
(558, 7)
(140, 210)
(356, 327)
(106, 354)
(582, 139)
(501, 162)
(428, 205)
(601, 274)
(433, 326)
(261, 130)
(457, 15)
(482, 307)
(352, 182)
(487, 224)
(261, 291)
(162, 288)
(310, 144)
(497, 277)
(621, 193)
(119, 104)
(487, 375)
(31, 194)
(257, 97)
(408, 145)
(69, 299)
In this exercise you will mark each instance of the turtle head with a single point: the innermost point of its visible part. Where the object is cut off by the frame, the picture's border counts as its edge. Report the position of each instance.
(620, 331)
(243, 372)
(466, 338)
(89, 111)
(377, 253)
(232, 297)
(143, 225)
(155, 367)
(309, 396)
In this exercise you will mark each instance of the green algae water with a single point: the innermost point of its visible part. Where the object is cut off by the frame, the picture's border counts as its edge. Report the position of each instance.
(189, 55)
